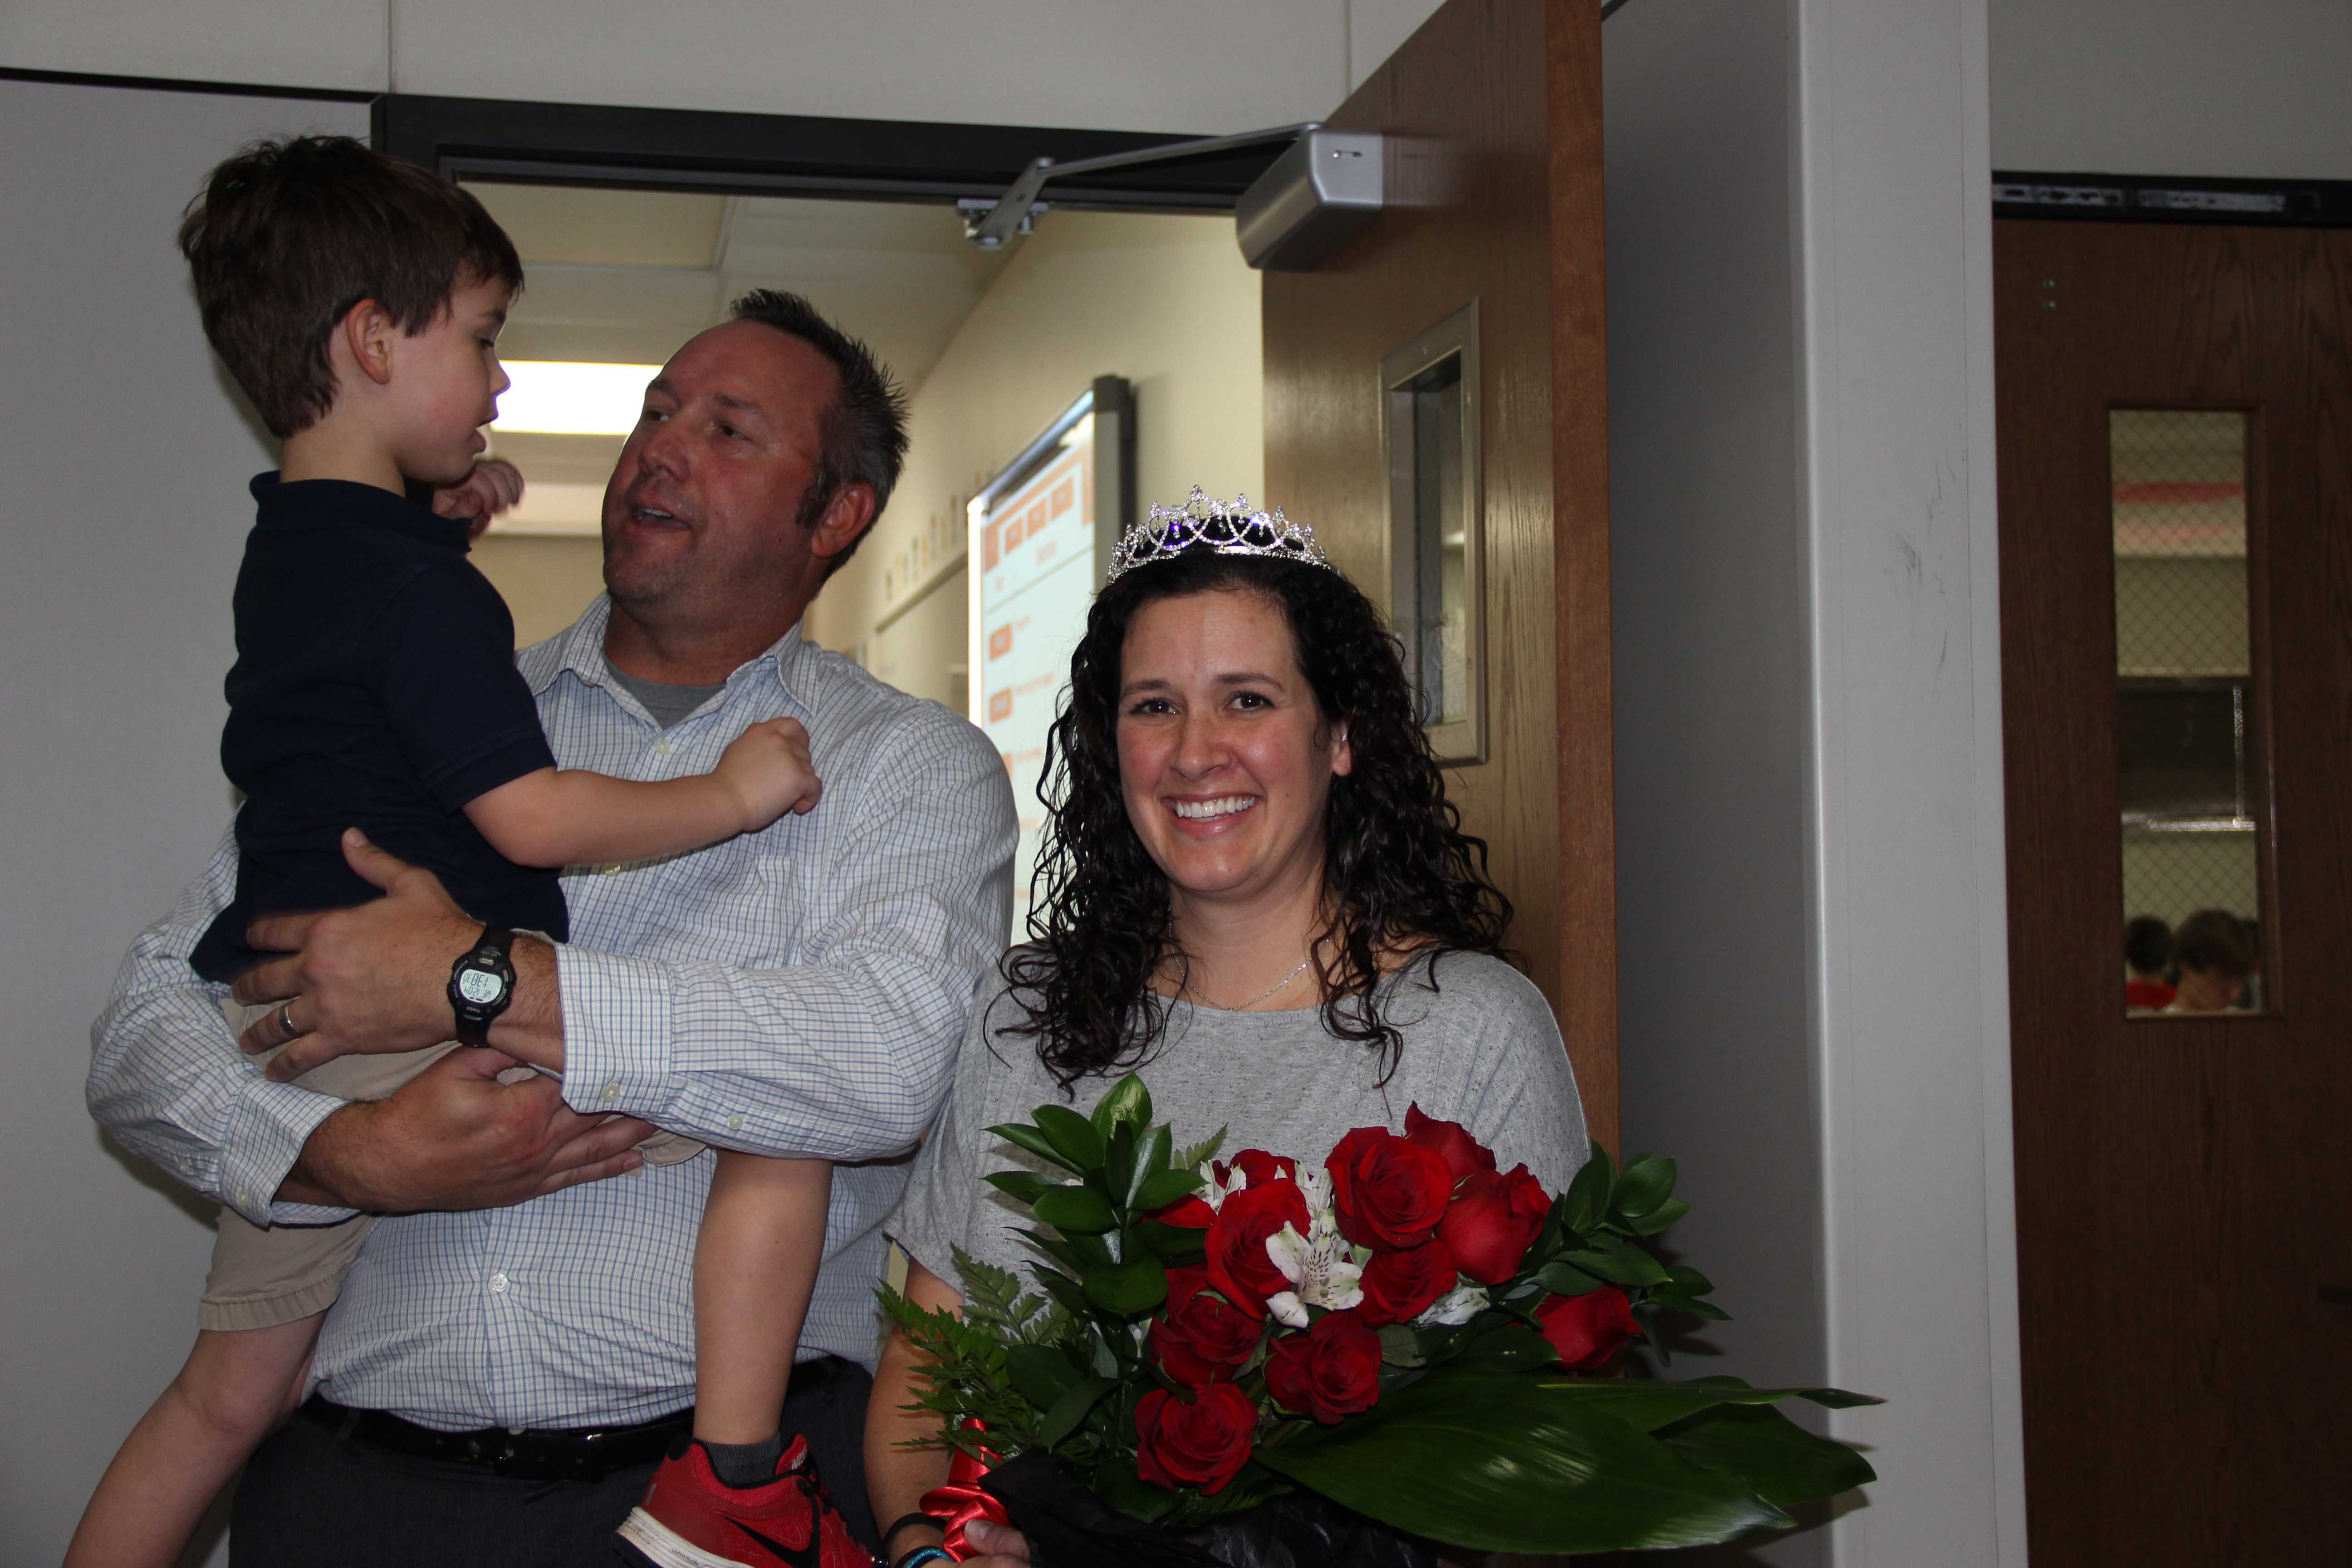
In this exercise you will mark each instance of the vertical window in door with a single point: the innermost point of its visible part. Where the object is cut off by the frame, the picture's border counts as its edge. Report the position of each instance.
(2195, 820)
(1429, 428)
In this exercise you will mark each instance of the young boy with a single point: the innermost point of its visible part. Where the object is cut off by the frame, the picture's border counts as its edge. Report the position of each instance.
(358, 302)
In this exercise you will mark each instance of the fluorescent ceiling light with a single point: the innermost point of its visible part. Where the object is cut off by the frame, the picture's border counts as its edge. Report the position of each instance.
(569, 397)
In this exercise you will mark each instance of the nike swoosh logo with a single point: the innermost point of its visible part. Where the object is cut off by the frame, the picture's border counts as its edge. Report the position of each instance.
(796, 1556)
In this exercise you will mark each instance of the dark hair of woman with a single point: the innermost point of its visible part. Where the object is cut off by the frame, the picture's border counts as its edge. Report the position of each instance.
(1398, 869)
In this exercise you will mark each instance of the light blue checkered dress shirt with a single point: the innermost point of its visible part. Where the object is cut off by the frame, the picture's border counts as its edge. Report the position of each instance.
(798, 991)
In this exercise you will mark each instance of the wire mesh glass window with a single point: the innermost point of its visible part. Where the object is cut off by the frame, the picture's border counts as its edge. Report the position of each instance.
(2194, 822)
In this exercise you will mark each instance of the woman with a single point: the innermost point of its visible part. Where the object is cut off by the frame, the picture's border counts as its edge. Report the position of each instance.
(1251, 886)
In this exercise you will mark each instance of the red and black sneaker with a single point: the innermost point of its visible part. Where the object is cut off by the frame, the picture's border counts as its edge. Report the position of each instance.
(690, 1519)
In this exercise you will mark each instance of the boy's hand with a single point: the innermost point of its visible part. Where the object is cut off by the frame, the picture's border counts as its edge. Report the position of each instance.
(767, 768)
(493, 487)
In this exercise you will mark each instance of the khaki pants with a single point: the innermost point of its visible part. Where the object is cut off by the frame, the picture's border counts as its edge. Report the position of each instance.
(263, 1275)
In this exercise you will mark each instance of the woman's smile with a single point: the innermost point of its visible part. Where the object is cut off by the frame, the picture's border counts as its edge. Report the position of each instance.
(1216, 813)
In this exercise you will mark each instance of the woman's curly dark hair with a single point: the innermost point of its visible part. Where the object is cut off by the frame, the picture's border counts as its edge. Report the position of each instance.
(1398, 869)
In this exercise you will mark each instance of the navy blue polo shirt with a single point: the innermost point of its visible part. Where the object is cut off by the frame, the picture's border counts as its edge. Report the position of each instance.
(374, 687)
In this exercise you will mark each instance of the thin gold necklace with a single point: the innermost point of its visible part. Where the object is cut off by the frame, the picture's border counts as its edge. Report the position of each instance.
(1261, 995)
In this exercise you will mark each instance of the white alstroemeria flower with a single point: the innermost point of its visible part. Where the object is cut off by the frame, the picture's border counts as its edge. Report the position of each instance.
(1455, 1307)
(1321, 1269)
(1215, 1191)
(1314, 1186)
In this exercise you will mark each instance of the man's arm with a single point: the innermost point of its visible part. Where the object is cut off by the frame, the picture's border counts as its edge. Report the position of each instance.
(844, 1057)
(167, 1080)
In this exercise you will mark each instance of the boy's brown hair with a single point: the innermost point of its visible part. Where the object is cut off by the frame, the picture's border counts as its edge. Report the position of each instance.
(288, 234)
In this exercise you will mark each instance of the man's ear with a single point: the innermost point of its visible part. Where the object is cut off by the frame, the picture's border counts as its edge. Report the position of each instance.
(847, 517)
(367, 333)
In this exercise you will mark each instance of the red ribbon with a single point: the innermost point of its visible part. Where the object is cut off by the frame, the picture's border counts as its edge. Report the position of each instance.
(961, 1501)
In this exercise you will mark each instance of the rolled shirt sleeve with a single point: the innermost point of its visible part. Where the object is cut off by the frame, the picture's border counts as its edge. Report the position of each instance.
(846, 1053)
(167, 1080)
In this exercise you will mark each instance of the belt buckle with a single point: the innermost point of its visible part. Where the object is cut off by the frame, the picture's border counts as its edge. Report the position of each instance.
(591, 1461)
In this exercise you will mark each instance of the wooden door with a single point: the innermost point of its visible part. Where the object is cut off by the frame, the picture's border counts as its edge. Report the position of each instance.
(1492, 112)
(2184, 1187)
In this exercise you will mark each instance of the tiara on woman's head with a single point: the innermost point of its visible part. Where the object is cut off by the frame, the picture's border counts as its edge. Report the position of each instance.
(1202, 524)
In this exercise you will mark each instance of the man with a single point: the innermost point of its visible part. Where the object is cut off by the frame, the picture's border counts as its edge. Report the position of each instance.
(508, 1359)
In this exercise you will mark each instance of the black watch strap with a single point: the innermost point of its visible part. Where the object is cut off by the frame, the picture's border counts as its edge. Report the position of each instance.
(481, 984)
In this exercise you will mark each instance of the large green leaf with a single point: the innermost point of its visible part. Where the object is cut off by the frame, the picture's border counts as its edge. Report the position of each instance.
(1021, 1186)
(1071, 1408)
(1781, 1461)
(1587, 1198)
(1036, 1143)
(1647, 1405)
(1072, 1136)
(1040, 1373)
(1120, 1163)
(1126, 1101)
(1073, 1211)
(1130, 1290)
(1647, 1180)
(1164, 1187)
(1507, 1464)
(1150, 1163)
(1659, 1219)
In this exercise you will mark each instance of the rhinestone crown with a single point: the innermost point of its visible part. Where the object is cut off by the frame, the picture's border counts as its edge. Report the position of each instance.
(1202, 523)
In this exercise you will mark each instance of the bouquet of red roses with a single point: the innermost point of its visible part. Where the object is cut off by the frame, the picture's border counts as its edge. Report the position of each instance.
(1406, 1332)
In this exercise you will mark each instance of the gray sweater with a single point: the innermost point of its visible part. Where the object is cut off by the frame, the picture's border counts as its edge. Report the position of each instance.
(1482, 1049)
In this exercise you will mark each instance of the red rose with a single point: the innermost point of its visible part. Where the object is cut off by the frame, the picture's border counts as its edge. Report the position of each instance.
(1389, 1192)
(1191, 1211)
(1587, 1330)
(1200, 1340)
(1203, 1444)
(1399, 1286)
(1238, 1264)
(1258, 1166)
(1493, 1220)
(1463, 1155)
(1330, 1371)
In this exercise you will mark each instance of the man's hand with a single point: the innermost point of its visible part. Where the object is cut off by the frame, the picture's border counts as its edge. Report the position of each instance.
(371, 978)
(453, 1137)
(494, 486)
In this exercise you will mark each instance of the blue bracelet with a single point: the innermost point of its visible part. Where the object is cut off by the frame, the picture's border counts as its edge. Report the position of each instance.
(922, 1554)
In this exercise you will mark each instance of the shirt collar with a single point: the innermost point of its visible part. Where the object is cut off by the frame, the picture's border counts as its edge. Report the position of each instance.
(580, 653)
(302, 503)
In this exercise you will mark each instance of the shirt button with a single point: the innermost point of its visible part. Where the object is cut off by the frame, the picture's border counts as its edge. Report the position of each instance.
(734, 1124)
(498, 1283)
(245, 1195)
(613, 870)
(661, 747)
(612, 1092)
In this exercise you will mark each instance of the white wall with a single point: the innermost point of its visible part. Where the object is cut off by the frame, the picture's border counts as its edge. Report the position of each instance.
(1197, 64)
(1715, 940)
(1811, 943)
(1165, 302)
(2251, 89)
(124, 512)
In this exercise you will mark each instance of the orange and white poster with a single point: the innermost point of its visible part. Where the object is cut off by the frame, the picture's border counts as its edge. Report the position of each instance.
(1034, 544)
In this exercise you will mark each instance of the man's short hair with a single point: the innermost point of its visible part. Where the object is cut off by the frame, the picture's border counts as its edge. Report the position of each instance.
(862, 434)
(288, 234)
(2214, 941)
(2148, 944)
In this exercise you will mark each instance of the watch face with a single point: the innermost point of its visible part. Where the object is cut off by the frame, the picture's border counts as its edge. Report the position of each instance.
(480, 986)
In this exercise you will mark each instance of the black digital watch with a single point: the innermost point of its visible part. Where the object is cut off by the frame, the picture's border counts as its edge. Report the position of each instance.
(481, 986)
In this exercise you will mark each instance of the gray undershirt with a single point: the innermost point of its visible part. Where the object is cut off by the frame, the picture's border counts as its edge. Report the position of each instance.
(667, 703)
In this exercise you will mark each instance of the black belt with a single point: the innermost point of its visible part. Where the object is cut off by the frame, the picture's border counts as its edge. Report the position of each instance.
(534, 1454)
